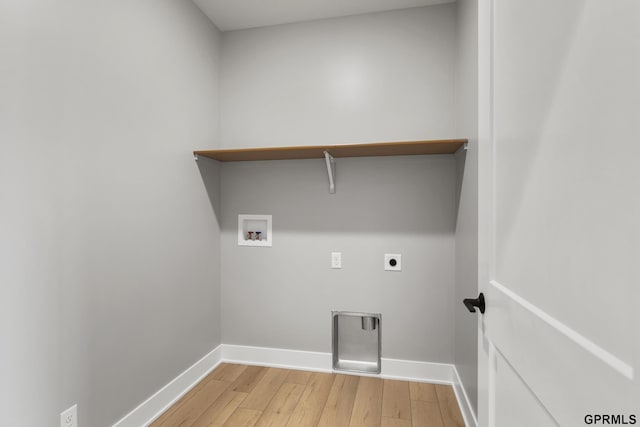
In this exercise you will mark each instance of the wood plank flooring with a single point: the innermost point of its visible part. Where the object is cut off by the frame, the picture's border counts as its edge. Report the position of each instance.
(253, 396)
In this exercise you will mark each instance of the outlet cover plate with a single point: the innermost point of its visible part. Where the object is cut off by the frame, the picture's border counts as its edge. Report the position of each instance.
(336, 259)
(69, 418)
(393, 262)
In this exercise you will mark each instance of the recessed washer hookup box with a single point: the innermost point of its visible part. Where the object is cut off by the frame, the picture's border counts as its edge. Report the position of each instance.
(357, 341)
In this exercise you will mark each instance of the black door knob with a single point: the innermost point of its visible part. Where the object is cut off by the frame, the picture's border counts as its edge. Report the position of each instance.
(471, 303)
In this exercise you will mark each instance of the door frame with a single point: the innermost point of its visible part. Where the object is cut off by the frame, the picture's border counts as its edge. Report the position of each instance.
(486, 351)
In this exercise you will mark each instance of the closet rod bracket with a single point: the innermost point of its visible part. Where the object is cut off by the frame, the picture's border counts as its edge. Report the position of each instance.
(331, 171)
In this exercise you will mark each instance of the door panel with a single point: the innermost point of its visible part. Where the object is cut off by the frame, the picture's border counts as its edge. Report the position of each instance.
(559, 210)
(564, 218)
(517, 405)
(570, 375)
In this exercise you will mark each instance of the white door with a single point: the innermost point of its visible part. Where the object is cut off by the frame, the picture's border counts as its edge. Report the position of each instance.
(559, 212)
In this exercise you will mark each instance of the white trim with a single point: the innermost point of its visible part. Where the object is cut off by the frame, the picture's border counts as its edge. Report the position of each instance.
(464, 403)
(277, 357)
(408, 370)
(163, 399)
(491, 385)
(485, 106)
(619, 365)
(412, 370)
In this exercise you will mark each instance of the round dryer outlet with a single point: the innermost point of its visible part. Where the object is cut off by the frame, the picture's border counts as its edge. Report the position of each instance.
(393, 262)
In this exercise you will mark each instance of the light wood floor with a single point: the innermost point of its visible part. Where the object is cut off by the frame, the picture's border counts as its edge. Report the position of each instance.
(239, 395)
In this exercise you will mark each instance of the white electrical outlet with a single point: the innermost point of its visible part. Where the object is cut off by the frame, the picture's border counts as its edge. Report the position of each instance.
(393, 262)
(336, 259)
(69, 418)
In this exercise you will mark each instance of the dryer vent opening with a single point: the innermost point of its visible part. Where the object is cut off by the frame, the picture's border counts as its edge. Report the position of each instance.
(357, 342)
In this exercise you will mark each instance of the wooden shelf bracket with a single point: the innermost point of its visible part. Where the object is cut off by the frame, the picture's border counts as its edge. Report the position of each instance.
(331, 171)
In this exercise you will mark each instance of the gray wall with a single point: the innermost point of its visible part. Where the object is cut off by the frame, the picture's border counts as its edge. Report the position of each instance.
(282, 296)
(376, 77)
(466, 275)
(109, 261)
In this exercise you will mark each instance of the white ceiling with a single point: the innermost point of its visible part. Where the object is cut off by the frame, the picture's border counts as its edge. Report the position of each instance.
(239, 14)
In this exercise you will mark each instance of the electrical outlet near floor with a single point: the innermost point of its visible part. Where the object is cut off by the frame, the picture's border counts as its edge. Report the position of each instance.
(69, 418)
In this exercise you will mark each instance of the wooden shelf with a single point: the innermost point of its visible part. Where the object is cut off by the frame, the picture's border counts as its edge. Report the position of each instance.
(438, 146)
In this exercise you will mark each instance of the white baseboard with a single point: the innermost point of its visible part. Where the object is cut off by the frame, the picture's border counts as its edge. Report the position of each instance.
(464, 403)
(277, 357)
(412, 370)
(162, 400)
(408, 370)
